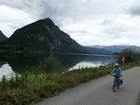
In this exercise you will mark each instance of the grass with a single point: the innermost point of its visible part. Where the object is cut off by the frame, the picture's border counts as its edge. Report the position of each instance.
(32, 87)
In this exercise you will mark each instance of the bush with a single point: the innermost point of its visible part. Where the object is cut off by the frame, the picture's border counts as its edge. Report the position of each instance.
(131, 55)
(49, 64)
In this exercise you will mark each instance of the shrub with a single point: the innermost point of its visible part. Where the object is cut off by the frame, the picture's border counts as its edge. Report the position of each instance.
(131, 55)
(49, 64)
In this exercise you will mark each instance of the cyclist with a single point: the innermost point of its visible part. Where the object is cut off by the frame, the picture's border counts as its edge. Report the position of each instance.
(117, 71)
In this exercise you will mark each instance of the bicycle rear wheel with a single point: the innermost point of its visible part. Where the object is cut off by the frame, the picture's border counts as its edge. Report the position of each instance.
(114, 87)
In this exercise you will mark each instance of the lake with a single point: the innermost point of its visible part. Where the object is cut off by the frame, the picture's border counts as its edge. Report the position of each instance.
(63, 62)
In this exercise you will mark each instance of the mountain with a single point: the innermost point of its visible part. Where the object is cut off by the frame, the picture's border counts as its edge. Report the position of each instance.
(97, 50)
(116, 48)
(136, 48)
(44, 35)
(2, 36)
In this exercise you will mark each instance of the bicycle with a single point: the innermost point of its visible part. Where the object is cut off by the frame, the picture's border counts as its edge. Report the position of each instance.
(117, 82)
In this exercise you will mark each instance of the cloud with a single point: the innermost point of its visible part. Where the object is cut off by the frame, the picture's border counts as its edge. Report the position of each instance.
(88, 22)
(135, 10)
(12, 19)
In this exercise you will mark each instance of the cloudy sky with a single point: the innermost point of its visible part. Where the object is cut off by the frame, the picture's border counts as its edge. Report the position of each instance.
(89, 22)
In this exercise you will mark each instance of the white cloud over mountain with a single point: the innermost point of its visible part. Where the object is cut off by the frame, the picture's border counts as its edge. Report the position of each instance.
(89, 22)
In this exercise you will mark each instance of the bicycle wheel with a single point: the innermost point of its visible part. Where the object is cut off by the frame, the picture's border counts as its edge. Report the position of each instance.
(114, 87)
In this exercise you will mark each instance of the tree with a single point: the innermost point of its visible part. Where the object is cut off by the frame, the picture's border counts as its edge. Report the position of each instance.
(131, 55)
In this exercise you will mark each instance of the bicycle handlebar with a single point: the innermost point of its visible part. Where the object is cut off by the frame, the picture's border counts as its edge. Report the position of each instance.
(117, 76)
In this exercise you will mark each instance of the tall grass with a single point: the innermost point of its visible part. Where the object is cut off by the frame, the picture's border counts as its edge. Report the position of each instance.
(32, 87)
(49, 64)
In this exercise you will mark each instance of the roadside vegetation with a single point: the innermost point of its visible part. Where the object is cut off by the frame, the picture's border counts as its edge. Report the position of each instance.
(32, 87)
(131, 55)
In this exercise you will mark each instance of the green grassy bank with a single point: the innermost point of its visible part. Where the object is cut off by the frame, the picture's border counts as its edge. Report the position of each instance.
(32, 87)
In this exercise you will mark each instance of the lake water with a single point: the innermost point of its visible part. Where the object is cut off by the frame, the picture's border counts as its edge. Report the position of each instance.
(10, 66)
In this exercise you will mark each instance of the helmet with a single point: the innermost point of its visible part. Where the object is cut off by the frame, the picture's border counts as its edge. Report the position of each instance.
(116, 64)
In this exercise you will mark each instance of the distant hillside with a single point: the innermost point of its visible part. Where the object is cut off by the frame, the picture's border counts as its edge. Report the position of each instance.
(116, 49)
(97, 50)
(2, 36)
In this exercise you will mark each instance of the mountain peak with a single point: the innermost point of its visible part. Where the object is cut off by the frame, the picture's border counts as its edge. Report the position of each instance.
(46, 22)
(1, 32)
(2, 36)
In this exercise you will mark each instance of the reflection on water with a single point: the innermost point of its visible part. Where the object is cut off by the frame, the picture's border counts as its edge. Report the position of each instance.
(6, 70)
(85, 65)
(66, 62)
(92, 61)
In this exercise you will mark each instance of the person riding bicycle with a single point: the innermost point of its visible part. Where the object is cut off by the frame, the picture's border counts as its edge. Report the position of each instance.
(117, 71)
